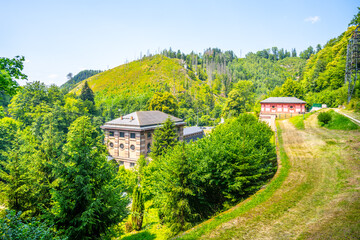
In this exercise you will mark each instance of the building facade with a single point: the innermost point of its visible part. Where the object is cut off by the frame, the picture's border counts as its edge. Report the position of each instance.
(282, 105)
(131, 135)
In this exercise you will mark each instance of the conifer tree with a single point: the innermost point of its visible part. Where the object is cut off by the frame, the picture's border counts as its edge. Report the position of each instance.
(175, 190)
(164, 138)
(88, 198)
(87, 93)
(16, 179)
(137, 208)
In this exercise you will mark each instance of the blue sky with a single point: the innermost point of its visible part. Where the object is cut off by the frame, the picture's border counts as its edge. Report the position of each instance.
(58, 37)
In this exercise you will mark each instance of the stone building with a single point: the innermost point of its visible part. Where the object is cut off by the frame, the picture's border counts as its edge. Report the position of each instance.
(131, 135)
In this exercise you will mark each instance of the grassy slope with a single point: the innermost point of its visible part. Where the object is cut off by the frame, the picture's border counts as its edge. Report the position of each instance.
(340, 122)
(139, 77)
(319, 199)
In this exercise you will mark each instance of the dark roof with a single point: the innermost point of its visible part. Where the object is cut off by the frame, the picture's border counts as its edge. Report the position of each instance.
(192, 130)
(141, 119)
(282, 100)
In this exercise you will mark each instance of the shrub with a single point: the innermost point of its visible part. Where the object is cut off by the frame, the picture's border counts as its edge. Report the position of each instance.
(14, 228)
(324, 118)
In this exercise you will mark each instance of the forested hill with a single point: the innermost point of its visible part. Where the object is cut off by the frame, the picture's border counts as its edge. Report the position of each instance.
(201, 83)
(323, 79)
(73, 80)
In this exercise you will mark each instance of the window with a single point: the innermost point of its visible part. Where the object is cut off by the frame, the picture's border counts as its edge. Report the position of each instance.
(291, 107)
(121, 163)
(149, 147)
(149, 135)
(111, 133)
(132, 135)
(111, 145)
(122, 134)
(273, 106)
(132, 147)
(121, 146)
(132, 164)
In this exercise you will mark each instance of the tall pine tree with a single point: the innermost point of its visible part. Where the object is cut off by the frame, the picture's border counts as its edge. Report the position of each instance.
(164, 138)
(88, 197)
(87, 93)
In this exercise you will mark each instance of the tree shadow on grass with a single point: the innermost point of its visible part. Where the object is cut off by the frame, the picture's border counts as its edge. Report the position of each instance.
(140, 236)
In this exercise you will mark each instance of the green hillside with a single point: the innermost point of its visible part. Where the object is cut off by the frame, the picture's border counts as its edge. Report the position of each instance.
(152, 74)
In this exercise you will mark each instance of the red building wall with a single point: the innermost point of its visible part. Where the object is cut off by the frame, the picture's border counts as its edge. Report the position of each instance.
(283, 108)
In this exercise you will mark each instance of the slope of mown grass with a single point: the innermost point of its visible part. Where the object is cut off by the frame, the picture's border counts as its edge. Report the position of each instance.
(340, 122)
(140, 77)
(319, 198)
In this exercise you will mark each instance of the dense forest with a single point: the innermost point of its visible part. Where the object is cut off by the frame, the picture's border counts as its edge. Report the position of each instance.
(57, 183)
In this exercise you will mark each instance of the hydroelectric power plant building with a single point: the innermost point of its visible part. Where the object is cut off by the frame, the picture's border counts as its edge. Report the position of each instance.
(131, 135)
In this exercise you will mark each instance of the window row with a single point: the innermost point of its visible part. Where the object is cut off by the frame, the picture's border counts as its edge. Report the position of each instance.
(122, 134)
(132, 147)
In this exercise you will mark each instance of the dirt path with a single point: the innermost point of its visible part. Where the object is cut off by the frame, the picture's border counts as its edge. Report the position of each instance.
(320, 199)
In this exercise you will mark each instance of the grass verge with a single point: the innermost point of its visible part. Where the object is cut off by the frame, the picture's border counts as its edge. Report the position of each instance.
(298, 121)
(253, 201)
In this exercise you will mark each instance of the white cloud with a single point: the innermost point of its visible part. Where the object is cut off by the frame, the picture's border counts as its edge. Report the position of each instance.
(312, 19)
(52, 76)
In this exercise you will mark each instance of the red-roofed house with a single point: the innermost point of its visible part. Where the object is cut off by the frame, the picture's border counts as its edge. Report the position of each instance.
(282, 105)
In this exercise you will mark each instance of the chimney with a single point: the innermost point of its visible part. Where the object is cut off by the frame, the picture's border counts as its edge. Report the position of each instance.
(121, 117)
(131, 118)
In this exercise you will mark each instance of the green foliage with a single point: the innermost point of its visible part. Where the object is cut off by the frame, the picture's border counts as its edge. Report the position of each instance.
(164, 102)
(7, 85)
(17, 178)
(324, 118)
(86, 186)
(12, 227)
(240, 100)
(137, 208)
(86, 93)
(164, 138)
(326, 69)
(8, 131)
(265, 73)
(192, 182)
(11, 68)
(307, 53)
(291, 88)
(175, 189)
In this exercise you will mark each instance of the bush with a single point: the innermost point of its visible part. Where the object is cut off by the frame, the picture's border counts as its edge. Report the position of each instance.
(12, 227)
(324, 118)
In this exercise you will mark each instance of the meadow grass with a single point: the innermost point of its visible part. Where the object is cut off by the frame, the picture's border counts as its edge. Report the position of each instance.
(340, 122)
